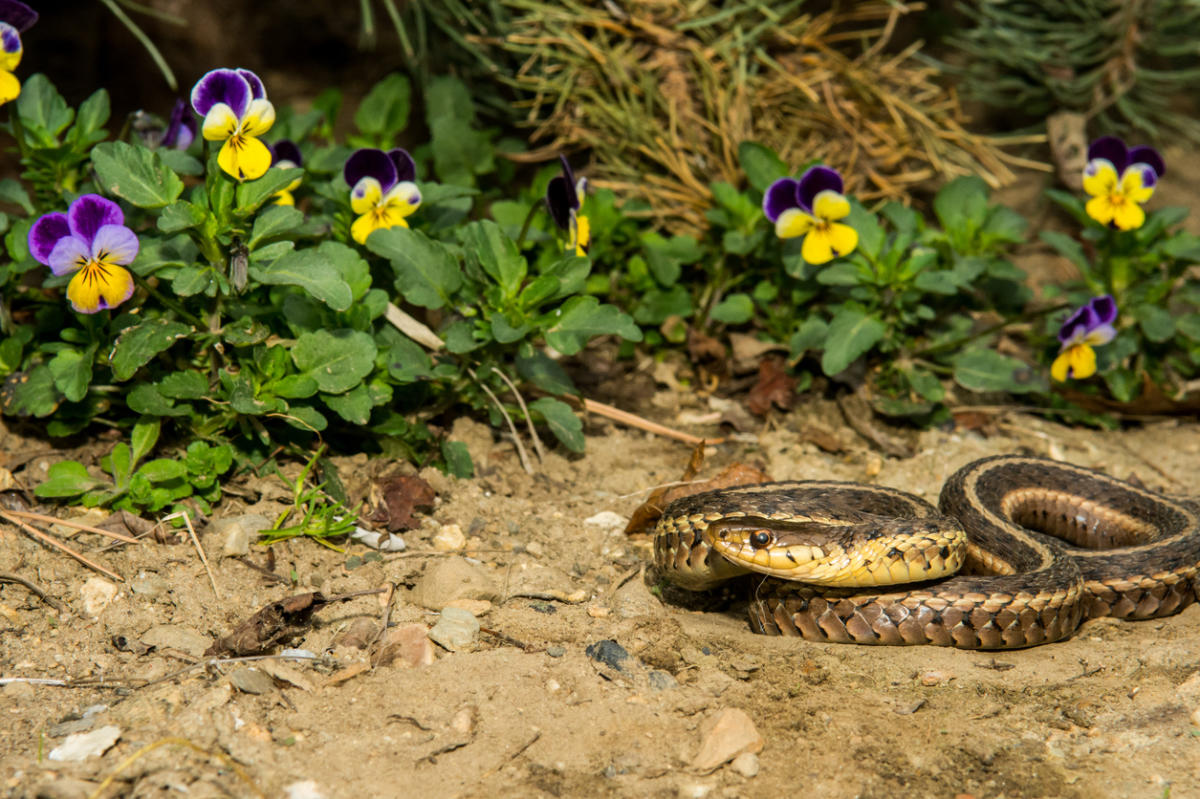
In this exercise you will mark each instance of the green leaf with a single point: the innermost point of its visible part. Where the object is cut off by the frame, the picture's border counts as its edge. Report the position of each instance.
(245, 332)
(44, 112)
(253, 193)
(314, 270)
(192, 280)
(145, 398)
(120, 465)
(72, 370)
(1156, 323)
(135, 174)
(496, 253)
(851, 333)
(761, 165)
(180, 162)
(988, 370)
(871, 235)
(407, 361)
(427, 273)
(1189, 326)
(1005, 224)
(30, 393)
(1067, 247)
(305, 418)
(66, 479)
(181, 215)
(937, 281)
(278, 220)
(581, 318)
(144, 437)
(338, 360)
(458, 459)
(93, 113)
(294, 387)
(137, 345)
(384, 111)
(545, 373)
(161, 470)
(809, 336)
(11, 191)
(459, 151)
(562, 421)
(354, 406)
(735, 309)
(961, 206)
(184, 385)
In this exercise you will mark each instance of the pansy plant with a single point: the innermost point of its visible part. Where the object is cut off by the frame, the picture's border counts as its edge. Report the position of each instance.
(91, 241)
(810, 207)
(15, 19)
(286, 155)
(236, 112)
(383, 190)
(181, 129)
(564, 199)
(1088, 327)
(1119, 180)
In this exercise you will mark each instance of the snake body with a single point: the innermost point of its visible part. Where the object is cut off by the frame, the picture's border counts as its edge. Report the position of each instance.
(1046, 545)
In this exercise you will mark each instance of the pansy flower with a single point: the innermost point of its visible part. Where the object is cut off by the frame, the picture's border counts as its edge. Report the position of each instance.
(15, 19)
(286, 155)
(382, 190)
(1119, 180)
(236, 111)
(564, 199)
(91, 240)
(1088, 327)
(810, 207)
(181, 129)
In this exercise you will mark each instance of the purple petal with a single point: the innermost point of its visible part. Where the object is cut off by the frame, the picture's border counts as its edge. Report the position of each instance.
(568, 173)
(115, 244)
(561, 201)
(814, 181)
(406, 168)
(779, 197)
(182, 128)
(90, 213)
(286, 150)
(1150, 157)
(221, 86)
(68, 255)
(17, 14)
(257, 91)
(1111, 149)
(45, 233)
(1077, 324)
(10, 40)
(370, 163)
(1104, 308)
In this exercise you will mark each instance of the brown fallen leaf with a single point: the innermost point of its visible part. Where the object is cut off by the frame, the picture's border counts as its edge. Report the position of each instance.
(775, 387)
(703, 347)
(280, 622)
(396, 498)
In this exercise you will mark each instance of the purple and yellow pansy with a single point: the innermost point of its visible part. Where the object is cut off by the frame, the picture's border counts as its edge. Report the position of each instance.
(383, 190)
(286, 155)
(91, 240)
(1088, 327)
(181, 128)
(564, 199)
(236, 112)
(810, 207)
(1119, 179)
(15, 19)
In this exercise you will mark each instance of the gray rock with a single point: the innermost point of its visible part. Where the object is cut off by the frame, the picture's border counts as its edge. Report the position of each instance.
(456, 629)
(83, 745)
(237, 533)
(453, 578)
(251, 681)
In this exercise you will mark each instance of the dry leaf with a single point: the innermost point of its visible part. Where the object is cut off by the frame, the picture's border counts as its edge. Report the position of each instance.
(278, 623)
(775, 387)
(399, 497)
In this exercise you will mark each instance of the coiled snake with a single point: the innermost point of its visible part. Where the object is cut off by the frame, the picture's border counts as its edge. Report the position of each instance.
(1043, 545)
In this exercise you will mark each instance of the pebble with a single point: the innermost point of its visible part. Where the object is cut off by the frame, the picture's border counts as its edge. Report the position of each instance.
(746, 764)
(449, 538)
(728, 734)
(634, 601)
(407, 646)
(606, 518)
(535, 549)
(533, 580)
(172, 636)
(556, 651)
(238, 532)
(1196, 717)
(83, 745)
(251, 681)
(476, 607)
(149, 585)
(358, 634)
(453, 578)
(6, 480)
(456, 629)
(308, 789)
(97, 594)
(609, 653)
(931, 678)
(694, 790)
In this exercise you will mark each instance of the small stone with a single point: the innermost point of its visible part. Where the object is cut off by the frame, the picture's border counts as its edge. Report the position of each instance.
(535, 549)
(172, 636)
(694, 790)
(407, 646)
(97, 594)
(556, 651)
(464, 721)
(745, 764)
(610, 653)
(729, 733)
(606, 518)
(307, 789)
(598, 611)
(476, 607)
(6, 480)
(933, 677)
(238, 532)
(149, 585)
(536, 581)
(359, 633)
(1190, 687)
(456, 629)
(83, 745)
(449, 538)
(873, 466)
(661, 681)
(1196, 717)
(251, 681)
(450, 579)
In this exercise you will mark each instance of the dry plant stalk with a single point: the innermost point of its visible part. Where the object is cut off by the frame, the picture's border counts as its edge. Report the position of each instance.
(663, 92)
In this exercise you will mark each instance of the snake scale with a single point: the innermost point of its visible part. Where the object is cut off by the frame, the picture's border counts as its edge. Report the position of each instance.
(1038, 546)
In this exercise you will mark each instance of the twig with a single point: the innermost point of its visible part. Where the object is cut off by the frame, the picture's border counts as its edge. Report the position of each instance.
(44, 519)
(633, 420)
(511, 426)
(195, 540)
(537, 734)
(508, 639)
(45, 539)
(537, 441)
(412, 328)
(383, 621)
(42, 595)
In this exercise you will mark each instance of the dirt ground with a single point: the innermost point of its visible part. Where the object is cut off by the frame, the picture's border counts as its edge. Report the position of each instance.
(524, 710)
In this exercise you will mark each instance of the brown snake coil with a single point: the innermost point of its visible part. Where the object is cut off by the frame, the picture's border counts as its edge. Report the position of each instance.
(1048, 545)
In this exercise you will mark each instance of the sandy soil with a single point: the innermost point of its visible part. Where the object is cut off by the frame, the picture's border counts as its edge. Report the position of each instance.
(525, 711)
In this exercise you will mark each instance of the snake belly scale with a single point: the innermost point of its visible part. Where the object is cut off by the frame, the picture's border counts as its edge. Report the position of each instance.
(1042, 546)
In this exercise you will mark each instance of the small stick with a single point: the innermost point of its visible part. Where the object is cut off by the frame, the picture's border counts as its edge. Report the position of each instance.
(44, 519)
(633, 420)
(537, 441)
(42, 595)
(412, 328)
(511, 426)
(195, 540)
(45, 539)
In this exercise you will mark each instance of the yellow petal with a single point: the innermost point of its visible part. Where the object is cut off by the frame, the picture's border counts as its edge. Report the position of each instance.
(365, 195)
(98, 286)
(244, 157)
(284, 197)
(1132, 187)
(830, 205)
(10, 61)
(404, 198)
(1078, 362)
(377, 219)
(219, 123)
(842, 238)
(1099, 177)
(817, 248)
(583, 235)
(259, 117)
(1128, 215)
(1100, 208)
(10, 87)
(792, 223)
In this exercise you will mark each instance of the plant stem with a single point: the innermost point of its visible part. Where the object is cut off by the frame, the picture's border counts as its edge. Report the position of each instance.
(165, 300)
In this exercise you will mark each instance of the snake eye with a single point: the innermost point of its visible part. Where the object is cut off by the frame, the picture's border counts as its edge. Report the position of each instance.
(760, 539)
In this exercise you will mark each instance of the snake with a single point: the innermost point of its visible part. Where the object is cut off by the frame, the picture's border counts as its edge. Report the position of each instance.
(1019, 552)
